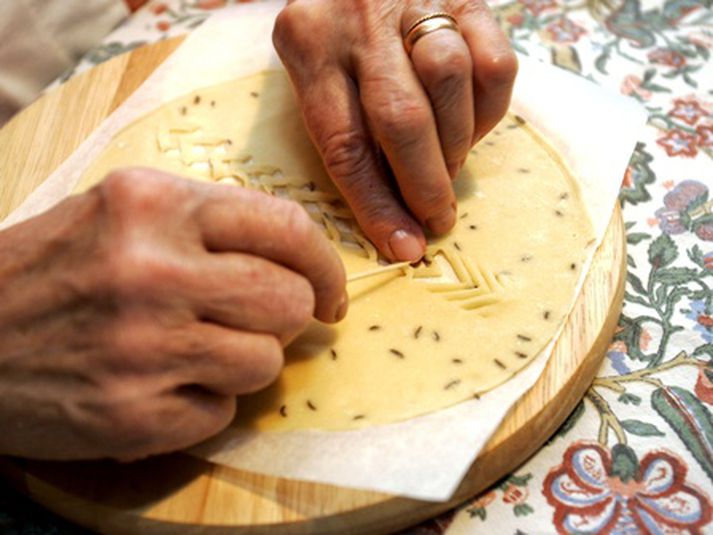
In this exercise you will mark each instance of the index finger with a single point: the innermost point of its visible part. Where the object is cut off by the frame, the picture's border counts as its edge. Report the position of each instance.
(234, 219)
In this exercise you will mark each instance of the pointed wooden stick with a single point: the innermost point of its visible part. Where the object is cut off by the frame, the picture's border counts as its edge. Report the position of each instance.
(377, 271)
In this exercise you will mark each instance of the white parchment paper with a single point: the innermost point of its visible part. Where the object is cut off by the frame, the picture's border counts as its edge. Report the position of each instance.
(425, 457)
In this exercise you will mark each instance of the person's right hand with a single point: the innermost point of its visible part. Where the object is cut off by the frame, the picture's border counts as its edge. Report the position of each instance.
(132, 315)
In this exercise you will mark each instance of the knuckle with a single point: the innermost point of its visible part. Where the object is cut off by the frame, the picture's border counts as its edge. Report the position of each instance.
(346, 154)
(401, 119)
(130, 428)
(134, 271)
(294, 29)
(135, 191)
(451, 66)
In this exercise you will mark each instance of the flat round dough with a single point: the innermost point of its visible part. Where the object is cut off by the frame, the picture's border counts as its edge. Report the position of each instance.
(488, 298)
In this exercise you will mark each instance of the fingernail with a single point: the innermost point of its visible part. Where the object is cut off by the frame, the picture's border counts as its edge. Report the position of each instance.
(405, 246)
(442, 222)
(342, 308)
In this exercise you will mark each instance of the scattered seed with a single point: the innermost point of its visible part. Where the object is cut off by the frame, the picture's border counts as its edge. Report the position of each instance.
(473, 227)
(511, 126)
(525, 258)
(397, 353)
(311, 406)
(524, 338)
(520, 120)
(417, 332)
(229, 141)
(197, 99)
(500, 364)
(283, 411)
(457, 246)
(374, 328)
(333, 353)
(456, 361)
(564, 196)
(476, 396)
(559, 213)
(523, 171)
(489, 143)
(464, 215)
(254, 94)
(184, 110)
(452, 384)
(427, 261)
(546, 315)
(573, 266)
(212, 103)
(359, 417)
(521, 355)
(436, 336)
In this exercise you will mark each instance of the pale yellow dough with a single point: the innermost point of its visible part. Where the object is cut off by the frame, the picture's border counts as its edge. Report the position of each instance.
(414, 341)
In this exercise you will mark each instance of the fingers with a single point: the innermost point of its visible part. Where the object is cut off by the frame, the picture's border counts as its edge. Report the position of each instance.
(252, 294)
(494, 66)
(332, 113)
(401, 118)
(443, 63)
(170, 422)
(227, 362)
(235, 219)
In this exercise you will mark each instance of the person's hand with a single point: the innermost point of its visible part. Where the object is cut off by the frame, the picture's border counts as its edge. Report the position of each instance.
(132, 315)
(361, 95)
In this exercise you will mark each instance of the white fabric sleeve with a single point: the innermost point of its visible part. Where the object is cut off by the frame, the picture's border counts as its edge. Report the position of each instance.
(40, 39)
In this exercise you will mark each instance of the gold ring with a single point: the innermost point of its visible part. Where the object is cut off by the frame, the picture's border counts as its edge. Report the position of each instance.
(427, 24)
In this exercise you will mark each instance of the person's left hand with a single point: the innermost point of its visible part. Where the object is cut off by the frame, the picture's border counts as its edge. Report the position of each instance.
(362, 95)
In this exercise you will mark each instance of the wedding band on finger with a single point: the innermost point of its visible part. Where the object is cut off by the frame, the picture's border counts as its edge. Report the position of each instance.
(428, 24)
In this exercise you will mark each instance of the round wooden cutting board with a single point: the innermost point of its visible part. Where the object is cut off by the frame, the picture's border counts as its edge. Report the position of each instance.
(178, 493)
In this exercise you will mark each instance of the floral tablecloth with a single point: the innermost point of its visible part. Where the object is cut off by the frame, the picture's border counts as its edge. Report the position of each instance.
(636, 455)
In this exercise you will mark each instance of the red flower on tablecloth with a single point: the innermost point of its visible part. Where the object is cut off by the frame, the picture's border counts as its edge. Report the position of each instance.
(678, 143)
(704, 384)
(689, 110)
(516, 19)
(565, 31)
(537, 6)
(705, 135)
(631, 85)
(163, 25)
(593, 491)
(666, 56)
(515, 495)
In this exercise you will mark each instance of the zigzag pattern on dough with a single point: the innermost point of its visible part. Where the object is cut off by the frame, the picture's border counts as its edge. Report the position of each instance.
(216, 158)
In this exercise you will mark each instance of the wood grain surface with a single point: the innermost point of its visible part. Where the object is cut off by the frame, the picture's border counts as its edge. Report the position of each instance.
(180, 494)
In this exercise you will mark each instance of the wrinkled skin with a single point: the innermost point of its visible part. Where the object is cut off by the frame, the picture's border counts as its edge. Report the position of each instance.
(133, 314)
(393, 130)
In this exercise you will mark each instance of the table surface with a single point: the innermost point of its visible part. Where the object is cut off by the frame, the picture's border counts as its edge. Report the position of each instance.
(643, 435)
